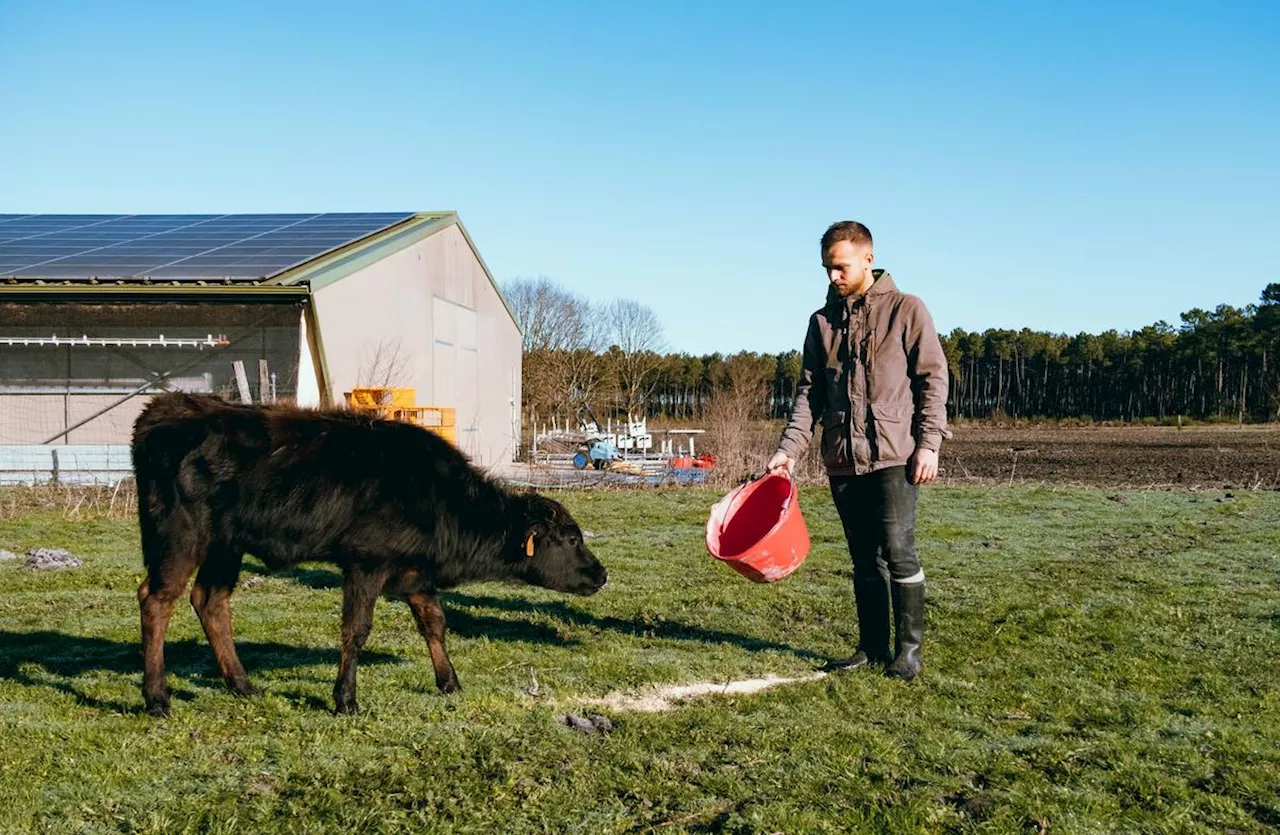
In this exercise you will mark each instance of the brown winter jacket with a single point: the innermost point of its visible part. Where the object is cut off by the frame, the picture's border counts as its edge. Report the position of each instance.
(874, 375)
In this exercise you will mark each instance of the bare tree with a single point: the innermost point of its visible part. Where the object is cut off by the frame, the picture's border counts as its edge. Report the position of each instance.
(637, 343)
(385, 365)
(737, 402)
(552, 318)
(563, 337)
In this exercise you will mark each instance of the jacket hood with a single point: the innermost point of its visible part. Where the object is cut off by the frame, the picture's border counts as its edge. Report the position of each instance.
(882, 284)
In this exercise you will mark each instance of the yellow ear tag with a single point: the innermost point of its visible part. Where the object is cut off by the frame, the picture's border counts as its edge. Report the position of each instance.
(528, 547)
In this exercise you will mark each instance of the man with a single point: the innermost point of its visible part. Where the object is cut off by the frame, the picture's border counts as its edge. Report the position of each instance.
(875, 376)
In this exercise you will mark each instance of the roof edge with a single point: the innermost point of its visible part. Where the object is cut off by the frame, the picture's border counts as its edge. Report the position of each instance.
(326, 269)
(336, 266)
(105, 293)
(493, 281)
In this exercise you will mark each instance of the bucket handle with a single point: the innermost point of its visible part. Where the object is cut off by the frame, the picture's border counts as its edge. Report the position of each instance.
(785, 502)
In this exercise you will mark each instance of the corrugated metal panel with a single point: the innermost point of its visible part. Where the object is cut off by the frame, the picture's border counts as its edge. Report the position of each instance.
(65, 464)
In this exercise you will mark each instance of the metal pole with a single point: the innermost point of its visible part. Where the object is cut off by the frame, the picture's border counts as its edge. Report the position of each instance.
(106, 409)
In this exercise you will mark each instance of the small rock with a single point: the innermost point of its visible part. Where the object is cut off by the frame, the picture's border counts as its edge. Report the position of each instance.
(250, 582)
(1120, 498)
(589, 535)
(581, 725)
(7, 555)
(591, 726)
(49, 558)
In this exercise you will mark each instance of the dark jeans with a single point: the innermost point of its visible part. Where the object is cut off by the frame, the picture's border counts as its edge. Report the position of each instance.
(878, 512)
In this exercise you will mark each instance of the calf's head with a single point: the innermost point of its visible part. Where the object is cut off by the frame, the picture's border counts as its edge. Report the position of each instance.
(551, 551)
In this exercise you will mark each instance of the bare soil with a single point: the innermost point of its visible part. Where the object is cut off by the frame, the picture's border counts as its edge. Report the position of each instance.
(1116, 456)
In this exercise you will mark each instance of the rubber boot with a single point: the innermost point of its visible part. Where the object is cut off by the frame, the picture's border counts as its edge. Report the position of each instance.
(908, 614)
(872, 597)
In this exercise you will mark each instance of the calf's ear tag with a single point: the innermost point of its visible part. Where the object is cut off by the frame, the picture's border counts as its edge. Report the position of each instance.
(528, 547)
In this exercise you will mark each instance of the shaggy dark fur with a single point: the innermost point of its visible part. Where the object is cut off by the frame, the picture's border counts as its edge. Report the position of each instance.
(401, 512)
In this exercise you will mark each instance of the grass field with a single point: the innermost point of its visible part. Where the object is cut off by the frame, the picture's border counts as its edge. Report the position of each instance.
(1095, 662)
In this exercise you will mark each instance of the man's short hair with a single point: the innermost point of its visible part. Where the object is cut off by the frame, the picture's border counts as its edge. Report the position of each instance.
(846, 230)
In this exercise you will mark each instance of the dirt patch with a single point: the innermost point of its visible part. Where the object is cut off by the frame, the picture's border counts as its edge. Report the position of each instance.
(658, 699)
(1130, 457)
(1133, 457)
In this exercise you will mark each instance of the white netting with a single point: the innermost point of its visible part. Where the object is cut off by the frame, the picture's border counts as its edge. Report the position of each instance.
(79, 374)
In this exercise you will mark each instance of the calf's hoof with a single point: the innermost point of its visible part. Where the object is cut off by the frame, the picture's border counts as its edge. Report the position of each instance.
(346, 707)
(450, 686)
(244, 688)
(159, 708)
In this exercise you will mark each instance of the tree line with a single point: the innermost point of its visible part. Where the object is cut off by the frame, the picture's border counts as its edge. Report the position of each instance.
(1213, 364)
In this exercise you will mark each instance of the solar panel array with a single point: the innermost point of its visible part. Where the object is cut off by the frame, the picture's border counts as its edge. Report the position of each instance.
(176, 247)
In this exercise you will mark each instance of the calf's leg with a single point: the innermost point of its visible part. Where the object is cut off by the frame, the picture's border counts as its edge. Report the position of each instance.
(166, 581)
(211, 598)
(360, 590)
(430, 617)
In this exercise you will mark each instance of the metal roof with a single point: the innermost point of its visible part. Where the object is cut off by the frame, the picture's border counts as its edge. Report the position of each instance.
(178, 249)
(282, 257)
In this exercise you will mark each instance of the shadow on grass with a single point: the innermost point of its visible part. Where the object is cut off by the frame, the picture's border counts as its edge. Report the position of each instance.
(313, 578)
(60, 658)
(469, 625)
(664, 629)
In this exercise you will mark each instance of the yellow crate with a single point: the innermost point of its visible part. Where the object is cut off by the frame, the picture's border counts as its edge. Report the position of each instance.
(431, 416)
(369, 397)
(398, 404)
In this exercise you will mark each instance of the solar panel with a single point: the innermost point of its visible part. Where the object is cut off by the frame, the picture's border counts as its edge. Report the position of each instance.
(244, 247)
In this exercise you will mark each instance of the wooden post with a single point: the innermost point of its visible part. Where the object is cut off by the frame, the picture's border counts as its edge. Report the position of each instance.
(242, 382)
(264, 383)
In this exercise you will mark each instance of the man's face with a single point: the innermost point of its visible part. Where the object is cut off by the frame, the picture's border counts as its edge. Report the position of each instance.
(849, 267)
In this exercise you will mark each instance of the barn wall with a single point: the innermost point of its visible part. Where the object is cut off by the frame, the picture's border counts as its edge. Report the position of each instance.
(428, 317)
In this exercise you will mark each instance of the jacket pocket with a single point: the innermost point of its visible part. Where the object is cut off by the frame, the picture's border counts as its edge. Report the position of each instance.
(835, 440)
(892, 422)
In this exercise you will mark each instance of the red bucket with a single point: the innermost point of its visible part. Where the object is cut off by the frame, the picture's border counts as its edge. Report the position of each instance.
(758, 530)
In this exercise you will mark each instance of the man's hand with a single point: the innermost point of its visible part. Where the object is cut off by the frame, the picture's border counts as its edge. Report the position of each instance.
(924, 466)
(781, 462)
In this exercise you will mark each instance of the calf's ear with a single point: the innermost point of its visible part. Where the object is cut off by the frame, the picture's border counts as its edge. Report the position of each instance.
(532, 533)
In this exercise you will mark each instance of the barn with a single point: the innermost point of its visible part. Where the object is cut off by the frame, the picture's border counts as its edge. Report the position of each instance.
(99, 312)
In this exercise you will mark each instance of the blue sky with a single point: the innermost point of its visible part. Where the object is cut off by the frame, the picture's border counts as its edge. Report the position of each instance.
(1059, 166)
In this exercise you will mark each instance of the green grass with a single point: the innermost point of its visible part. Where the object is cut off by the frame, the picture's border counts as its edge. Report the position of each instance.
(1094, 663)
